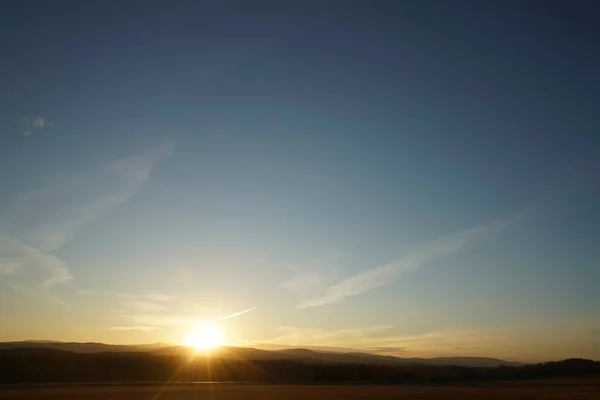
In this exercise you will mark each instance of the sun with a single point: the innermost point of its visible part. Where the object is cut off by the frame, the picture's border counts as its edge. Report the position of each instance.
(205, 336)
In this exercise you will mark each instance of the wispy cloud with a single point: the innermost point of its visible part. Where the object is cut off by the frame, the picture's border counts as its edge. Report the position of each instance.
(383, 275)
(528, 342)
(133, 328)
(146, 306)
(382, 340)
(386, 349)
(298, 336)
(312, 277)
(47, 218)
(524, 343)
(159, 319)
(16, 255)
(237, 314)
(155, 297)
(42, 221)
(447, 342)
(158, 310)
(303, 282)
(35, 123)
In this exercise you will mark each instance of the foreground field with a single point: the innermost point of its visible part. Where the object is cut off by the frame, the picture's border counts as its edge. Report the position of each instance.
(589, 390)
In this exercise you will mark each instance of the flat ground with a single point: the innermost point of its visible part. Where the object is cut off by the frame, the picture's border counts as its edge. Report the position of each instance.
(558, 390)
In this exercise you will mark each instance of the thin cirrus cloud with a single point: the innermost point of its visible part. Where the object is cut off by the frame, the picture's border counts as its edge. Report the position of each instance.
(421, 256)
(42, 221)
(47, 218)
(439, 342)
(525, 342)
(157, 310)
(160, 315)
(16, 255)
(298, 336)
(156, 320)
(237, 314)
(133, 328)
(310, 278)
(153, 297)
(303, 282)
(383, 340)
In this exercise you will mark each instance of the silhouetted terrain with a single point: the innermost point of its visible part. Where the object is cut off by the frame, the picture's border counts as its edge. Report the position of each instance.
(89, 347)
(249, 353)
(35, 365)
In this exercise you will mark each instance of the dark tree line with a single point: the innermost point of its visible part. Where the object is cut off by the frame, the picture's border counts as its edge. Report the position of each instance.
(51, 366)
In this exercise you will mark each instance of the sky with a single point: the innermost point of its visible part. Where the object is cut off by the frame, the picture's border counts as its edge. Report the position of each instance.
(413, 178)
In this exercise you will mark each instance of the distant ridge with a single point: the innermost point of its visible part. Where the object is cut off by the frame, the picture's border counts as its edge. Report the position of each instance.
(256, 354)
(86, 347)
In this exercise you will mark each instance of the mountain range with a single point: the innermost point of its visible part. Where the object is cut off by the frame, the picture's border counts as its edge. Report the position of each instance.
(308, 355)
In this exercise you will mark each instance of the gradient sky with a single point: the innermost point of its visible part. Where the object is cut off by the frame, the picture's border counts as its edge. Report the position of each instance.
(416, 178)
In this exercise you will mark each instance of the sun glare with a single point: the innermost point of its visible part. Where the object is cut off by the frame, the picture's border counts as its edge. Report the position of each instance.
(205, 336)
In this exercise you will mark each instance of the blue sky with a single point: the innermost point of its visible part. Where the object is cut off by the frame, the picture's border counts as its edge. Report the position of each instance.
(414, 176)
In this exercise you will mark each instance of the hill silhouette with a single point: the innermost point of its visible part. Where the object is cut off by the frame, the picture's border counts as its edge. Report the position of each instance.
(29, 365)
(250, 353)
(27, 362)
